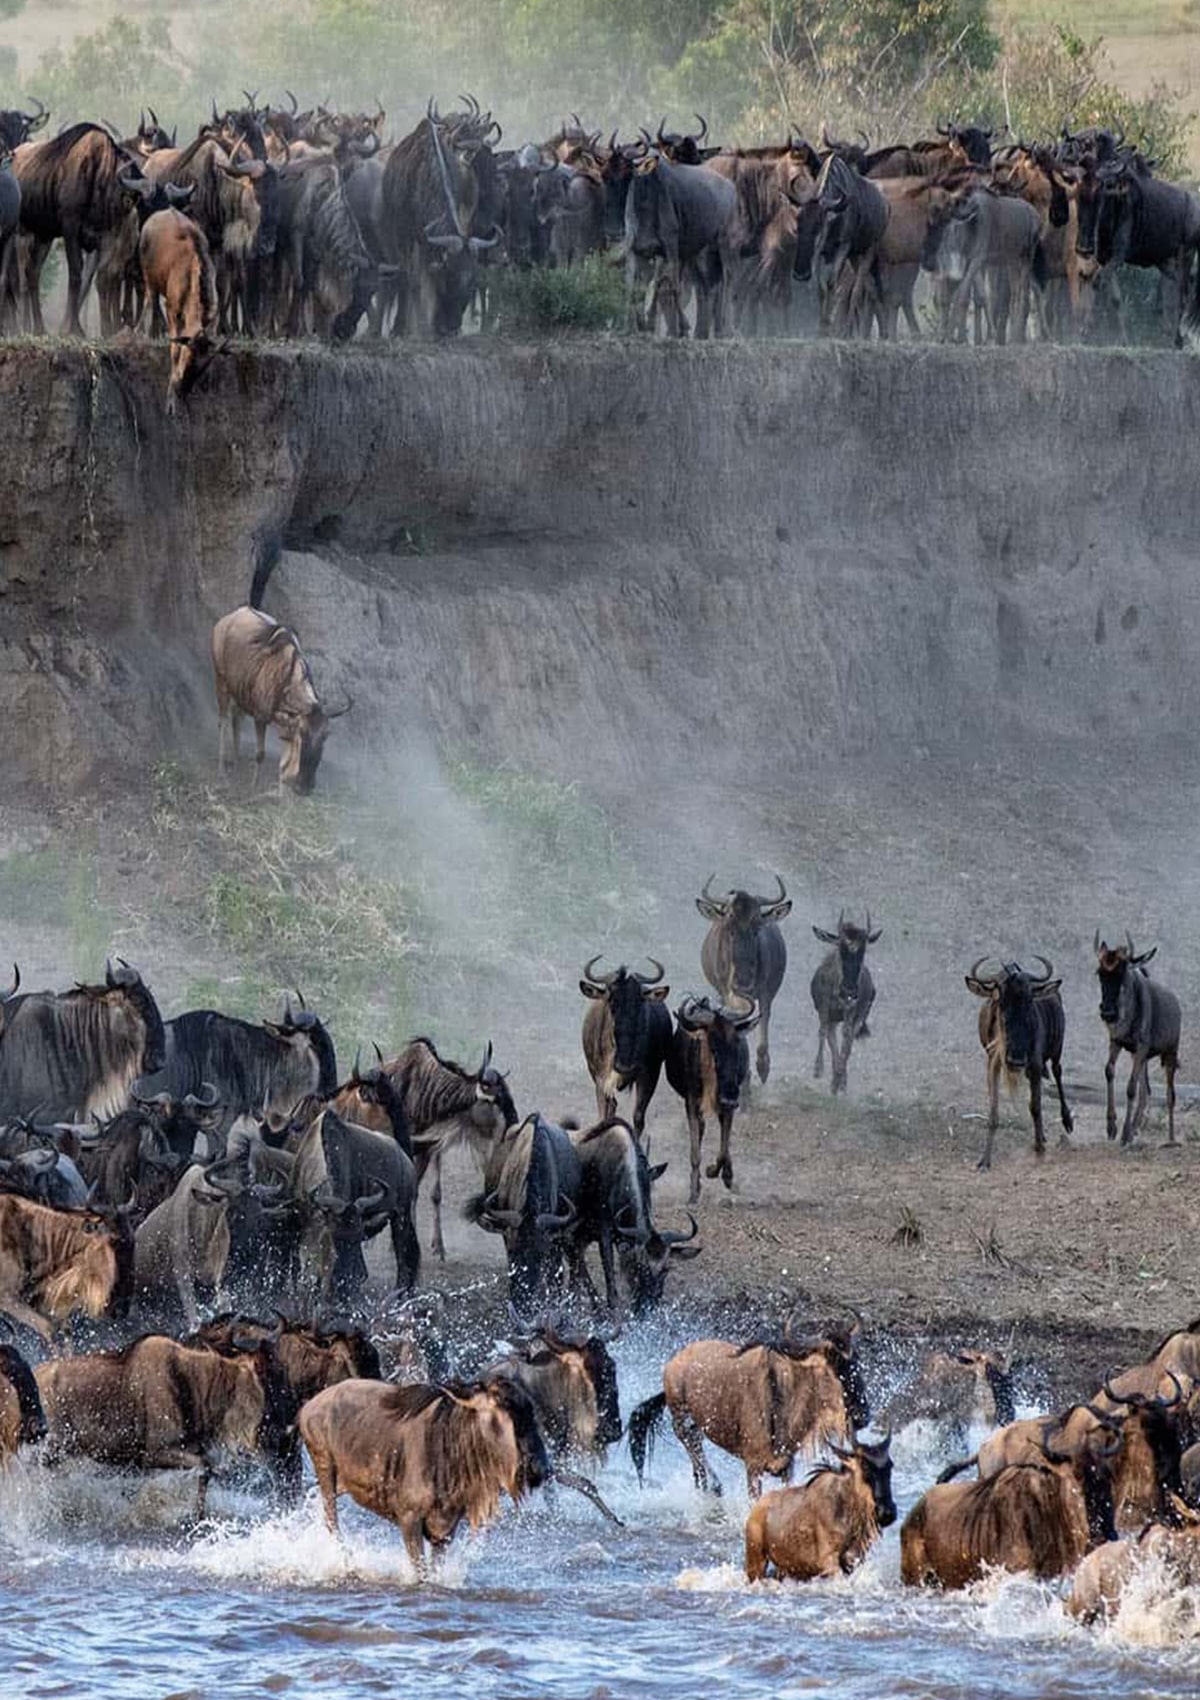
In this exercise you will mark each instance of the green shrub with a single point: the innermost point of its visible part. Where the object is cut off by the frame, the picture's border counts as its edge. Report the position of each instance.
(589, 297)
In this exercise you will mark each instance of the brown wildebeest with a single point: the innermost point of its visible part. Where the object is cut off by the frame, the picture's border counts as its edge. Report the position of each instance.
(262, 672)
(743, 954)
(70, 188)
(1141, 1018)
(1105, 1572)
(1021, 1028)
(626, 1035)
(960, 1390)
(157, 1405)
(827, 1526)
(842, 992)
(57, 1263)
(763, 1402)
(427, 1458)
(21, 1419)
(444, 1105)
(1038, 1517)
(1176, 1355)
(572, 1381)
(177, 270)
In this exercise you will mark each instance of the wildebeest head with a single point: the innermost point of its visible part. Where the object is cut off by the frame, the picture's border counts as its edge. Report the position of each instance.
(250, 1208)
(875, 1462)
(725, 1031)
(742, 918)
(838, 1345)
(1092, 1460)
(1113, 965)
(348, 1223)
(129, 984)
(627, 995)
(180, 1120)
(304, 1021)
(684, 148)
(851, 942)
(970, 142)
(510, 1397)
(1016, 992)
(17, 127)
(491, 1087)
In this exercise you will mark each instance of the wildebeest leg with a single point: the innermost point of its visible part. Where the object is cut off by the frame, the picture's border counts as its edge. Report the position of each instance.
(722, 1169)
(1170, 1063)
(325, 1470)
(72, 325)
(608, 1264)
(819, 1065)
(696, 1132)
(1034, 1076)
(762, 1056)
(1138, 1087)
(690, 1439)
(437, 1244)
(993, 1122)
(643, 1091)
(841, 1057)
(406, 1249)
(1068, 1120)
(1110, 1070)
(260, 749)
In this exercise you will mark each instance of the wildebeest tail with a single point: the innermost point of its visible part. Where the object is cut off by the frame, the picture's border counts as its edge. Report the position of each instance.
(1041, 270)
(266, 559)
(956, 1469)
(643, 1422)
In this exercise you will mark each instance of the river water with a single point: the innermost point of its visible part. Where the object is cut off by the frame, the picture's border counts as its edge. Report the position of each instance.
(101, 1594)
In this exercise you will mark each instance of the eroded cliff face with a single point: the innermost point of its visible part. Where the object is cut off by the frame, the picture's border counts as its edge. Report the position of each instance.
(597, 559)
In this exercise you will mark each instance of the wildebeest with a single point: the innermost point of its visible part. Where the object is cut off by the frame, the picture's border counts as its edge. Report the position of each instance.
(10, 217)
(842, 992)
(448, 1453)
(157, 1405)
(708, 1063)
(1128, 217)
(1142, 1018)
(261, 672)
(252, 1069)
(1021, 1028)
(130, 1154)
(336, 1159)
(764, 1402)
(827, 1526)
(743, 954)
(572, 1381)
(985, 238)
(177, 270)
(959, 1390)
(324, 274)
(1038, 1517)
(72, 1055)
(531, 1187)
(208, 1234)
(430, 194)
(1106, 1571)
(679, 224)
(70, 188)
(626, 1035)
(445, 1104)
(22, 1422)
(17, 127)
(615, 1214)
(852, 216)
(59, 1263)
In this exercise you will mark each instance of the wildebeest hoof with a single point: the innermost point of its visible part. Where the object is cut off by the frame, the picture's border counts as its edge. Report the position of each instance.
(763, 1067)
(713, 1170)
(727, 1174)
(984, 1163)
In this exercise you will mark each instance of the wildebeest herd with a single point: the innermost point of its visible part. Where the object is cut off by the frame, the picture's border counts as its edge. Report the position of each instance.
(279, 222)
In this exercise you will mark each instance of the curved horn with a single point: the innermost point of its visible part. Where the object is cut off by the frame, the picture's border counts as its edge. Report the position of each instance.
(354, 1073)
(547, 1220)
(986, 980)
(672, 1236)
(16, 985)
(1048, 966)
(370, 1204)
(652, 979)
(702, 132)
(444, 173)
(589, 972)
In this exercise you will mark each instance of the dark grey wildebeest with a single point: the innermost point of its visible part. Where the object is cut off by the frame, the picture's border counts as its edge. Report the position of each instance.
(72, 1055)
(1021, 1028)
(10, 217)
(626, 1035)
(707, 1065)
(1141, 1018)
(853, 216)
(678, 228)
(743, 954)
(842, 994)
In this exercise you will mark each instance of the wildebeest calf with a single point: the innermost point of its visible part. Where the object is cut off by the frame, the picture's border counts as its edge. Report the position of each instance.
(177, 269)
(261, 671)
(827, 1526)
(708, 1064)
(842, 993)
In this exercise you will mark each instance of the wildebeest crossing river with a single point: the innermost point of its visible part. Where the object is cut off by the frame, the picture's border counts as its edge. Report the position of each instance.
(102, 1593)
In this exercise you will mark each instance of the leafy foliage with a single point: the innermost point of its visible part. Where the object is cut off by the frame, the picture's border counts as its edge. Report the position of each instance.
(589, 297)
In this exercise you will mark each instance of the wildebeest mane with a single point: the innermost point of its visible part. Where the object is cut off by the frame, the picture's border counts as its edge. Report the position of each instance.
(58, 147)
